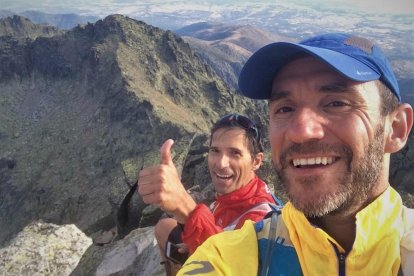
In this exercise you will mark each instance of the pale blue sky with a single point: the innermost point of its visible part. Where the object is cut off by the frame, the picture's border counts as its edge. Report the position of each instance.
(369, 6)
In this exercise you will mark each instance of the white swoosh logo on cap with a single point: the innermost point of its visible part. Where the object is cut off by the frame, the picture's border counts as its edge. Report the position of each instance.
(363, 73)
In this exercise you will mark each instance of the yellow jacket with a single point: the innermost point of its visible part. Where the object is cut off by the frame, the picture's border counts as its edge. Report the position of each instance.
(384, 243)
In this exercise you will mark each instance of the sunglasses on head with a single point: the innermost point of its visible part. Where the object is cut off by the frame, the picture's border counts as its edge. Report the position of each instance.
(240, 121)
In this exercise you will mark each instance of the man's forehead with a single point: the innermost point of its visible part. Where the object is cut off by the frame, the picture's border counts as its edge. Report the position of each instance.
(229, 135)
(306, 69)
(226, 133)
(303, 65)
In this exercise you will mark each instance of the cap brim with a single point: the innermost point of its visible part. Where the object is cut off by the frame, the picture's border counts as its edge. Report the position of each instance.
(256, 77)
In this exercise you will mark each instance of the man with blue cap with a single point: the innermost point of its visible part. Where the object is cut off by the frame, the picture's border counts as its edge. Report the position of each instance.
(335, 116)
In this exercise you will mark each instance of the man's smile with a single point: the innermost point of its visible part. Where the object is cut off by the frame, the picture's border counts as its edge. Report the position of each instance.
(320, 160)
(224, 176)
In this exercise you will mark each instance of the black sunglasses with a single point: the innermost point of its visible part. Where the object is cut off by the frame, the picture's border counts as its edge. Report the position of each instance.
(240, 121)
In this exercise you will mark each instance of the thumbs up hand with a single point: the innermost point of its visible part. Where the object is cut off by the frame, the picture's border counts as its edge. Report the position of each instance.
(161, 185)
(165, 151)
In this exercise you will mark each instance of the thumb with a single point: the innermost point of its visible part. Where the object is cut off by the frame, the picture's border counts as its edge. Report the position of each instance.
(165, 150)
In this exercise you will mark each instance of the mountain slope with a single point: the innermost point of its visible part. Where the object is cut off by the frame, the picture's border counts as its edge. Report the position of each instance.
(83, 110)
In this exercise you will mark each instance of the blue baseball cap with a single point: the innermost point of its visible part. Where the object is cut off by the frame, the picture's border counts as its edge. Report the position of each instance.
(354, 57)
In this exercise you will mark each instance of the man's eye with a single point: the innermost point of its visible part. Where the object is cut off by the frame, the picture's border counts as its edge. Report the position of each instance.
(284, 109)
(337, 104)
(214, 150)
(235, 152)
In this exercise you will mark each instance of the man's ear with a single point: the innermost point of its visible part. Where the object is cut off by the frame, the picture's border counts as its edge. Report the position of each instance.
(401, 121)
(257, 162)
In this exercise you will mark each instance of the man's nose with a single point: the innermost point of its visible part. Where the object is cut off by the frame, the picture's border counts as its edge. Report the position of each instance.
(223, 161)
(306, 125)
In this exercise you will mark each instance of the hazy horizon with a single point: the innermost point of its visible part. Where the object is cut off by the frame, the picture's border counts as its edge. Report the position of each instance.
(296, 19)
(105, 7)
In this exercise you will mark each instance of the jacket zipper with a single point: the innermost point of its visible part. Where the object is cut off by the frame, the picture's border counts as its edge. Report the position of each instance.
(341, 261)
(341, 264)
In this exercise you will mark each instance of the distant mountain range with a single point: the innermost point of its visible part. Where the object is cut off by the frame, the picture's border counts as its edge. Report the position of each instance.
(18, 26)
(225, 47)
(62, 21)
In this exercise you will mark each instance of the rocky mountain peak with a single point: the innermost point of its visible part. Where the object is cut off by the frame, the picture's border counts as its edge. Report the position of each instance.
(21, 27)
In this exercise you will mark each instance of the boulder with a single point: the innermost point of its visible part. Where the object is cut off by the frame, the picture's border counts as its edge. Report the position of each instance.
(44, 249)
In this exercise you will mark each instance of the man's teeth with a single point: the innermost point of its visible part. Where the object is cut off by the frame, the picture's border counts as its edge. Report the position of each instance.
(313, 161)
(224, 175)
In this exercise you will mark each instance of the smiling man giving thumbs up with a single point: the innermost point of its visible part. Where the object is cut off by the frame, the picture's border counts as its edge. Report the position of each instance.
(234, 156)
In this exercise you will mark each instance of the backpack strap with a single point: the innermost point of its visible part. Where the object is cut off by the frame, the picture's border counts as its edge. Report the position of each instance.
(277, 200)
(269, 247)
(264, 207)
(277, 255)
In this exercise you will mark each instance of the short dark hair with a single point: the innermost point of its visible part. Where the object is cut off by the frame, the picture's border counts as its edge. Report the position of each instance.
(389, 102)
(252, 132)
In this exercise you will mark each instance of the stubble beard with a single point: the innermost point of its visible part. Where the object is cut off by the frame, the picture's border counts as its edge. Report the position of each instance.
(354, 186)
